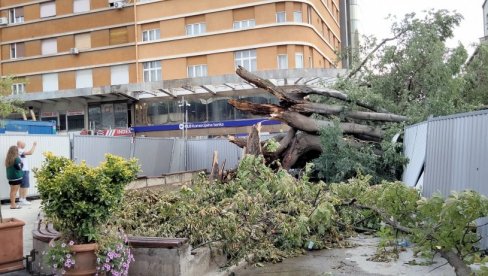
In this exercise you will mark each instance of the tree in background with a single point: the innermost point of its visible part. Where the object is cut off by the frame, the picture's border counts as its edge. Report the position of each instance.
(413, 73)
(8, 106)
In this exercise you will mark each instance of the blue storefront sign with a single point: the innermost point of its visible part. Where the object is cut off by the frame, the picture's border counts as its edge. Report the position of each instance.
(203, 125)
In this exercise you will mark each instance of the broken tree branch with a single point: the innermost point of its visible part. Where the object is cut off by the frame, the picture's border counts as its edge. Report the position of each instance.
(361, 65)
(325, 109)
(264, 84)
(310, 125)
(452, 257)
(303, 92)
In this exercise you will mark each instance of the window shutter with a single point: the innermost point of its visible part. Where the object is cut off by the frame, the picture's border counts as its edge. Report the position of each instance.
(81, 5)
(49, 46)
(48, 9)
(19, 12)
(84, 78)
(83, 41)
(119, 74)
(119, 36)
(20, 49)
(50, 82)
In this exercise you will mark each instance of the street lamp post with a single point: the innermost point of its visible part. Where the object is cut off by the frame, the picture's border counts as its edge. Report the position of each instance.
(183, 103)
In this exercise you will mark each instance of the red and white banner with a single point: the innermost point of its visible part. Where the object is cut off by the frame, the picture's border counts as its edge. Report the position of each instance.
(109, 132)
(115, 132)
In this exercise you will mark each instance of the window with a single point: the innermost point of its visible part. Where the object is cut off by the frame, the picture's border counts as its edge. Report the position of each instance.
(150, 35)
(244, 24)
(84, 78)
(297, 16)
(49, 46)
(121, 115)
(152, 71)
(48, 9)
(81, 5)
(83, 41)
(16, 15)
(18, 88)
(195, 71)
(108, 115)
(281, 17)
(282, 61)
(196, 29)
(119, 74)
(118, 36)
(298, 60)
(246, 59)
(17, 50)
(75, 120)
(50, 82)
(309, 15)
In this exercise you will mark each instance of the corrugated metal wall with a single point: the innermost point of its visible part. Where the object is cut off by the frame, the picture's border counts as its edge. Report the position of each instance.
(414, 143)
(59, 145)
(200, 153)
(456, 156)
(157, 155)
(92, 149)
(154, 155)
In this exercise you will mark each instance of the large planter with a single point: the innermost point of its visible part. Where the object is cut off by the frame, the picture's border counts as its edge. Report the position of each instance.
(85, 260)
(12, 244)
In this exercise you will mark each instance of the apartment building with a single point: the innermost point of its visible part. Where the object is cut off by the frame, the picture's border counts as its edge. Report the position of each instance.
(154, 64)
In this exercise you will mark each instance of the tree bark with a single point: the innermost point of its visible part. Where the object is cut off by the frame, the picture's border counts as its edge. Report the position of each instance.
(310, 125)
(265, 84)
(256, 109)
(302, 144)
(285, 142)
(253, 145)
(325, 109)
(302, 93)
(455, 261)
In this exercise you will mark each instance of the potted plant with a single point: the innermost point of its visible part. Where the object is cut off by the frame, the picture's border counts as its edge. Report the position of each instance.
(79, 200)
(12, 241)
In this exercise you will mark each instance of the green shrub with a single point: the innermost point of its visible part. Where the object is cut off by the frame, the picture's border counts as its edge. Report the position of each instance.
(78, 198)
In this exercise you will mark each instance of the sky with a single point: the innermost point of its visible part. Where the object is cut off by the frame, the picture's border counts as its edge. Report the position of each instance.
(373, 15)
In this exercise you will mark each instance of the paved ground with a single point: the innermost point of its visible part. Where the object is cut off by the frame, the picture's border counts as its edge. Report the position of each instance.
(350, 261)
(29, 215)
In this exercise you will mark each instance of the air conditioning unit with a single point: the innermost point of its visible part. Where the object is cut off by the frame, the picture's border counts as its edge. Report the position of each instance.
(118, 4)
(3, 21)
(74, 51)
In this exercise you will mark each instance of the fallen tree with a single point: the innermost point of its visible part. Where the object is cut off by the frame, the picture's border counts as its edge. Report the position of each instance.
(362, 125)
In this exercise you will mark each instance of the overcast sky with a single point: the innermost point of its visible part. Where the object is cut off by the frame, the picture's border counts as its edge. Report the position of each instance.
(374, 12)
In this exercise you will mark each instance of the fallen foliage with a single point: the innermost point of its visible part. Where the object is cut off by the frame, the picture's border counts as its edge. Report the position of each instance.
(267, 215)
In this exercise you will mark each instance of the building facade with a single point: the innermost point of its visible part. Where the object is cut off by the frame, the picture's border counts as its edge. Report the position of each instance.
(106, 64)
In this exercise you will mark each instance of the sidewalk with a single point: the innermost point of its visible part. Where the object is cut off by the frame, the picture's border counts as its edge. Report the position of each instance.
(29, 215)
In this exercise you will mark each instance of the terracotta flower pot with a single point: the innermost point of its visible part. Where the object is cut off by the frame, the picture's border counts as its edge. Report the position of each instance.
(12, 244)
(85, 259)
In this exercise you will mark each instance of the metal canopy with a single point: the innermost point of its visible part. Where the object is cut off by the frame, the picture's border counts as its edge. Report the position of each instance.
(210, 86)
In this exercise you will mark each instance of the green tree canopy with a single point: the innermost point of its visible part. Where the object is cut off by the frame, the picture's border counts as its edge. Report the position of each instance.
(414, 73)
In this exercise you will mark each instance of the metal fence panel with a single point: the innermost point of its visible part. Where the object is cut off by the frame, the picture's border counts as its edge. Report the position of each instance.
(178, 156)
(415, 143)
(92, 149)
(457, 157)
(59, 145)
(154, 155)
(200, 152)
